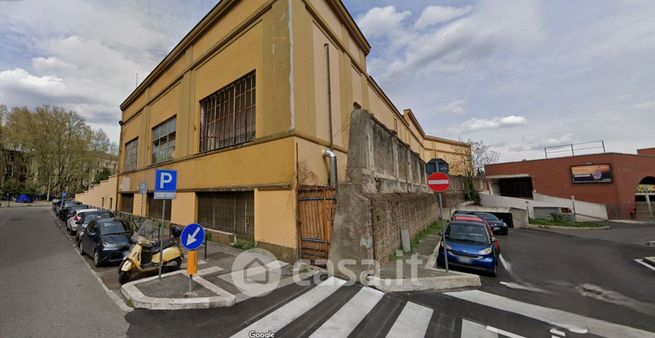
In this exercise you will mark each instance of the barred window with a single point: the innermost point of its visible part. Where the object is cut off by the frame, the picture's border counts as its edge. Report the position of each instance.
(231, 211)
(163, 141)
(228, 115)
(130, 154)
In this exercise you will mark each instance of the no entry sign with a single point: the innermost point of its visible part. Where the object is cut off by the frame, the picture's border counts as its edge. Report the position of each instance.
(438, 182)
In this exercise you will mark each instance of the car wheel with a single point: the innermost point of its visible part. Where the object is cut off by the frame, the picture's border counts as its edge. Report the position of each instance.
(96, 258)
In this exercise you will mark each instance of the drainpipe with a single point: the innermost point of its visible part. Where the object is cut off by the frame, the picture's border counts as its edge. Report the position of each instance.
(333, 167)
(330, 152)
(329, 92)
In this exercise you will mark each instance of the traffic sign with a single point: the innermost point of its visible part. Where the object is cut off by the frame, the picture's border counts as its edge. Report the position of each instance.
(165, 184)
(438, 182)
(193, 235)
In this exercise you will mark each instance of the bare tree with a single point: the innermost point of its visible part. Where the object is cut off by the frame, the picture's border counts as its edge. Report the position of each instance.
(471, 162)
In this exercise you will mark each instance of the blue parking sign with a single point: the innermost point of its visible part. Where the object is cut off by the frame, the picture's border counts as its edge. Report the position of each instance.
(165, 183)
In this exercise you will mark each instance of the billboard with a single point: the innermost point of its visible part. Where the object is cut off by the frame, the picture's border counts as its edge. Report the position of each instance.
(591, 173)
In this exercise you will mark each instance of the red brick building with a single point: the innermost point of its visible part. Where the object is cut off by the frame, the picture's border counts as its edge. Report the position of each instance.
(625, 183)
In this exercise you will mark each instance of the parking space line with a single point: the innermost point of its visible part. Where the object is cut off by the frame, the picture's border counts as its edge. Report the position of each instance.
(641, 261)
(503, 332)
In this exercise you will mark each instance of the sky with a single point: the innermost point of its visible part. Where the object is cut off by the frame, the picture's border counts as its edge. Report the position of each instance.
(519, 75)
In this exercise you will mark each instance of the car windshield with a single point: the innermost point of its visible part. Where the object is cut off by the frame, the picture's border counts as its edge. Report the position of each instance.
(463, 232)
(89, 216)
(489, 217)
(112, 227)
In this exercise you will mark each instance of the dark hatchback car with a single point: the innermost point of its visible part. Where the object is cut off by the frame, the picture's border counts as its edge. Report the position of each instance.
(106, 240)
(498, 226)
(86, 218)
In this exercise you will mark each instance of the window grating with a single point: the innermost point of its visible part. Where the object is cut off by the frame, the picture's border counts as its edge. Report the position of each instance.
(130, 154)
(231, 211)
(228, 115)
(163, 141)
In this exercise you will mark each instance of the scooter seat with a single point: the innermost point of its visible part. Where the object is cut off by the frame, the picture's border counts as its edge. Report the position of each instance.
(167, 244)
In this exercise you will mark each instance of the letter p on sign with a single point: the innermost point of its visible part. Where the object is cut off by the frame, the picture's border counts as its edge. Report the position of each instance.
(165, 180)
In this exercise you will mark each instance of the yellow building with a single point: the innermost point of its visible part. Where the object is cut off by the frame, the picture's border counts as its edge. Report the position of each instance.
(243, 108)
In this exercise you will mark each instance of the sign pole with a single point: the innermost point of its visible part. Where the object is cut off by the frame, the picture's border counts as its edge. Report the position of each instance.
(161, 243)
(443, 232)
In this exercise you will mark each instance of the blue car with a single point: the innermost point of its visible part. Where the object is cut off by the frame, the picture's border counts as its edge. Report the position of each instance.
(24, 199)
(469, 245)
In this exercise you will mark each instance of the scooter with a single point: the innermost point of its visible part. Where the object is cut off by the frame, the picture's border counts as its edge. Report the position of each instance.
(144, 256)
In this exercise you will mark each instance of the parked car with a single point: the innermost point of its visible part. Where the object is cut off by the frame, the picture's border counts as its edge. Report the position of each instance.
(62, 211)
(86, 218)
(476, 219)
(106, 240)
(71, 222)
(23, 198)
(70, 211)
(468, 245)
(55, 204)
(498, 226)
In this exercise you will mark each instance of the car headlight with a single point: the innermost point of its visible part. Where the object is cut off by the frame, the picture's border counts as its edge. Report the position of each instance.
(448, 247)
(486, 251)
(108, 245)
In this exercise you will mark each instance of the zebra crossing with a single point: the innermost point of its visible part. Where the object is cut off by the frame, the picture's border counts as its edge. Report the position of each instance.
(334, 309)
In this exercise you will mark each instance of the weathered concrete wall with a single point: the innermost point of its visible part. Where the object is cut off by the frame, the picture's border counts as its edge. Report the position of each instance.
(384, 192)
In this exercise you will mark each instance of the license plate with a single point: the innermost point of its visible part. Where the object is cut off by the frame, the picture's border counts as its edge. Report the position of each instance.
(465, 259)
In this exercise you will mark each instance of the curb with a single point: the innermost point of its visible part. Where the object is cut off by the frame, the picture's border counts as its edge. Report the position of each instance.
(557, 227)
(456, 280)
(139, 300)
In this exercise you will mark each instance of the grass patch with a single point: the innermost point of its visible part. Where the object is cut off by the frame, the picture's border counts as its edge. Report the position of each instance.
(303, 269)
(434, 228)
(562, 223)
(129, 302)
(243, 244)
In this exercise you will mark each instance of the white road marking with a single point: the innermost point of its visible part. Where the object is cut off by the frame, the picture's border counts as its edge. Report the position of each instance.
(554, 317)
(641, 261)
(518, 286)
(503, 332)
(348, 317)
(412, 322)
(558, 332)
(474, 330)
(284, 315)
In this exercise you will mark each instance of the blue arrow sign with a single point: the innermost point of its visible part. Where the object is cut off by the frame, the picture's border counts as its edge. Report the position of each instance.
(193, 235)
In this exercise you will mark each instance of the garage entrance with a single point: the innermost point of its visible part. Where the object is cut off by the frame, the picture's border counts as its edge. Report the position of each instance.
(519, 187)
(645, 199)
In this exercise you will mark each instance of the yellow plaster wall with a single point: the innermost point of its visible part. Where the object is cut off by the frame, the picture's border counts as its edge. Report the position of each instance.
(275, 217)
(106, 189)
(184, 208)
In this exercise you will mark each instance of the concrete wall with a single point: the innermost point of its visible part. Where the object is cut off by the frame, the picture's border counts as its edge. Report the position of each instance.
(384, 192)
(584, 210)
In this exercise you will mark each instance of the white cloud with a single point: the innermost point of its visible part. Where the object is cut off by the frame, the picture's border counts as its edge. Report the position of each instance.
(18, 80)
(434, 15)
(380, 21)
(476, 124)
(452, 107)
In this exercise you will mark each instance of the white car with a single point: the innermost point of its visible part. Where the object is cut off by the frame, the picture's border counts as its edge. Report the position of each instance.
(71, 222)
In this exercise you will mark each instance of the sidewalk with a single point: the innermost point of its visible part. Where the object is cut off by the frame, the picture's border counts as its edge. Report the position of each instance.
(226, 276)
(397, 275)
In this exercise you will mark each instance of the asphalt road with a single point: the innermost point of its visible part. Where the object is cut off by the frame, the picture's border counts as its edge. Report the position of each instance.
(588, 273)
(46, 290)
